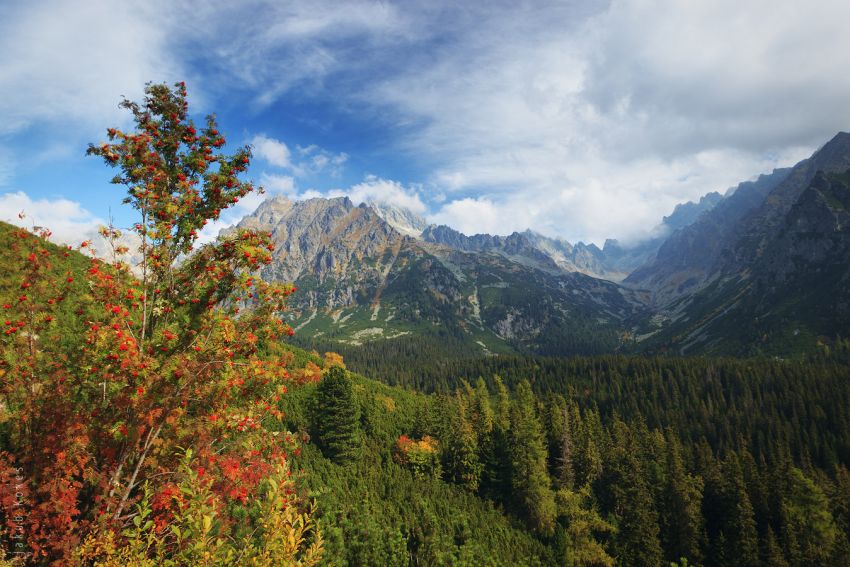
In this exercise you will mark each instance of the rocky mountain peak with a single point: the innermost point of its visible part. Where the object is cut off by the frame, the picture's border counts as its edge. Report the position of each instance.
(402, 219)
(321, 237)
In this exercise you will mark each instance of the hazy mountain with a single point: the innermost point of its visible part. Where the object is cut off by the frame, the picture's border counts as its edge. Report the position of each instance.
(771, 276)
(685, 214)
(685, 259)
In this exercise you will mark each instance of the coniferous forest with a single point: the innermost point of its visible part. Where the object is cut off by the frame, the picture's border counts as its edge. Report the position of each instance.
(155, 410)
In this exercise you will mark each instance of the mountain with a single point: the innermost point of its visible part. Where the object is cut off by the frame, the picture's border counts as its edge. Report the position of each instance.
(769, 277)
(359, 278)
(403, 220)
(686, 258)
(624, 259)
(761, 268)
(685, 214)
(529, 247)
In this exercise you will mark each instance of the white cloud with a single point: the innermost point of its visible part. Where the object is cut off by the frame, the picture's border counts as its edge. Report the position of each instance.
(68, 61)
(271, 150)
(278, 184)
(68, 220)
(272, 47)
(311, 159)
(473, 216)
(380, 191)
(601, 122)
(581, 119)
(317, 160)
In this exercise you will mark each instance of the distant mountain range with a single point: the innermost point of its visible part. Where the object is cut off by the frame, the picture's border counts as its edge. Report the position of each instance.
(764, 267)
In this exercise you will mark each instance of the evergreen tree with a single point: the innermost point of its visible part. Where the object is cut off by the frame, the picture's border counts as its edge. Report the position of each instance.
(337, 416)
(630, 501)
(587, 457)
(566, 472)
(739, 525)
(497, 471)
(579, 527)
(530, 479)
(772, 552)
(463, 465)
(681, 518)
(810, 520)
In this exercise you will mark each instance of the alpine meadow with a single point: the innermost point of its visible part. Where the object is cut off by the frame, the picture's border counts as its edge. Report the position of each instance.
(555, 284)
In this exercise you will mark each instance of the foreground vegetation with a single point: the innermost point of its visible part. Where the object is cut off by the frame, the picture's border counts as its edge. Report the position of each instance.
(615, 471)
(138, 395)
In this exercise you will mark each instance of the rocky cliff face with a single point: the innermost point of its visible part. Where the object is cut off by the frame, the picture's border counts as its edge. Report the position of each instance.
(750, 237)
(685, 261)
(796, 288)
(360, 278)
(331, 246)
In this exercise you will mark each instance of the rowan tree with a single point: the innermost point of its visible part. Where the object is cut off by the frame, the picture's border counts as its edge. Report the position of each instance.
(175, 349)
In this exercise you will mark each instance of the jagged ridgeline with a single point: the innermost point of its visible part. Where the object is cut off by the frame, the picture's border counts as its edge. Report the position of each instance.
(761, 269)
(363, 276)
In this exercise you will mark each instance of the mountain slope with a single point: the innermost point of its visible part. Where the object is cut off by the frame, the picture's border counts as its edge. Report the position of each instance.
(684, 262)
(360, 279)
(796, 289)
(728, 240)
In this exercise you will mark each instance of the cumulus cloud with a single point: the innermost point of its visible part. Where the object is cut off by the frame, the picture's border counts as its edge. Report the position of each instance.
(309, 160)
(68, 220)
(271, 150)
(376, 189)
(278, 184)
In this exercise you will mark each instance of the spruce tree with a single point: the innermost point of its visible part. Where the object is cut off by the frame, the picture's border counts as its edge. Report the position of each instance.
(530, 479)
(630, 500)
(682, 530)
(337, 416)
(566, 472)
(497, 466)
(461, 455)
(739, 522)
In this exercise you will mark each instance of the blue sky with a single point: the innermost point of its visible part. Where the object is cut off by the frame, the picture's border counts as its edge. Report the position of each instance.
(579, 119)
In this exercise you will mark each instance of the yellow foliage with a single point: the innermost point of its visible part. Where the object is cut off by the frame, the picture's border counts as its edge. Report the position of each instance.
(333, 359)
(388, 402)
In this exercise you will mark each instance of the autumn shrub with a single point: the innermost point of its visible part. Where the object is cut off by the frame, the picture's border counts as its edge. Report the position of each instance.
(144, 387)
(422, 457)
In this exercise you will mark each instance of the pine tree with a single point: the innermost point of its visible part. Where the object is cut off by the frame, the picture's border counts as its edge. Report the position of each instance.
(530, 479)
(336, 416)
